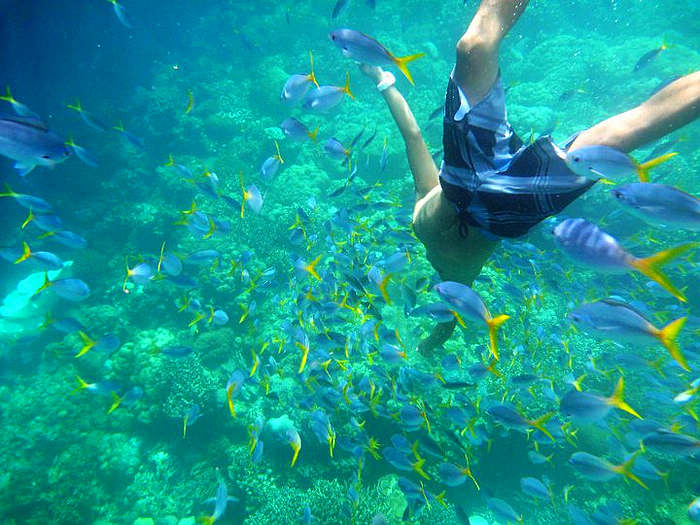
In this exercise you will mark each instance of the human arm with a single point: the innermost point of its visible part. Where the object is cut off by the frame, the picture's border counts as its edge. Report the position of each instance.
(425, 173)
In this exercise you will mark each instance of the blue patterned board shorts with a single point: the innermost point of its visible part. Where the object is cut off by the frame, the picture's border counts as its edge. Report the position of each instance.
(496, 182)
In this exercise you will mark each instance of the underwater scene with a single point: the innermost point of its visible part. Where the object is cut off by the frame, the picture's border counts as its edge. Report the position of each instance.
(240, 283)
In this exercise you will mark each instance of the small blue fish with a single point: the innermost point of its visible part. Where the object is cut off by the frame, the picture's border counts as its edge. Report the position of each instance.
(46, 223)
(468, 303)
(365, 49)
(591, 407)
(21, 109)
(30, 143)
(87, 117)
(621, 322)
(67, 238)
(659, 204)
(296, 86)
(30, 202)
(534, 488)
(296, 130)
(121, 13)
(597, 469)
(191, 416)
(325, 98)
(128, 135)
(584, 242)
(70, 289)
(335, 149)
(503, 510)
(609, 163)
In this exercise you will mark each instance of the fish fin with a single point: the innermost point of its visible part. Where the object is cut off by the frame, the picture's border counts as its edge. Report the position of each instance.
(668, 334)
(418, 468)
(313, 134)
(296, 448)
(616, 399)
(346, 88)
(651, 267)
(626, 469)
(401, 64)
(312, 75)
(24, 169)
(643, 169)
(81, 384)
(26, 253)
(382, 288)
(311, 268)
(116, 401)
(88, 344)
(304, 356)
(493, 325)
(539, 424)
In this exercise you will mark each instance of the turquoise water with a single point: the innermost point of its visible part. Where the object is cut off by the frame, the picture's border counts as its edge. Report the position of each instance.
(107, 454)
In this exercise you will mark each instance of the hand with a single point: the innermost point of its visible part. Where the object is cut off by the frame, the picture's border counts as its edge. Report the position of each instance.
(373, 72)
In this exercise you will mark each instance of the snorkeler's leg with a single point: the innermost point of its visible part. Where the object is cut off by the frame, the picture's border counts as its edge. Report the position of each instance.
(440, 334)
(671, 108)
(477, 49)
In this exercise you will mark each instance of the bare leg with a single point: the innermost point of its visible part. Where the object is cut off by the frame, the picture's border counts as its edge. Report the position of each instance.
(477, 50)
(671, 108)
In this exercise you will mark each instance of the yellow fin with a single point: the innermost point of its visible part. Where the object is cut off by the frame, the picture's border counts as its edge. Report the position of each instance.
(382, 288)
(401, 64)
(616, 399)
(626, 469)
(668, 334)
(493, 325)
(346, 88)
(651, 267)
(643, 169)
(539, 424)
(311, 268)
(26, 253)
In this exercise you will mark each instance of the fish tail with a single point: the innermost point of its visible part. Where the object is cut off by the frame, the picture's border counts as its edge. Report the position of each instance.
(304, 355)
(44, 286)
(346, 88)
(7, 97)
(312, 75)
(8, 191)
(26, 253)
(382, 288)
(539, 424)
(617, 401)
(401, 64)
(418, 468)
(651, 267)
(313, 134)
(643, 169)
(668, 335)
(493, 370)
(229, 398)
(116, 401)
(493, 325)
(87, 344)
(81, 384)
(626, 469)
(296, 447)
(311, 268)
